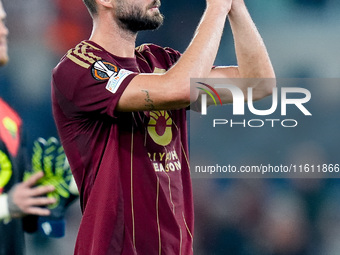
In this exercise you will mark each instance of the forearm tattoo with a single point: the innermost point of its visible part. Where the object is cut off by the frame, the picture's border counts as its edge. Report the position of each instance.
(148, 100)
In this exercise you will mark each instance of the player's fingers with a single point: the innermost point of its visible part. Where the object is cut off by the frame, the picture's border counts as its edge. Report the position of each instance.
(33, 179)
(41, 190)
(38, 211)
(40, 201)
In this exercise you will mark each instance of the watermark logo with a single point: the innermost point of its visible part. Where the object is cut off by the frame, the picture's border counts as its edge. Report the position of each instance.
(281, 98)
(204, 97)
(287, 134)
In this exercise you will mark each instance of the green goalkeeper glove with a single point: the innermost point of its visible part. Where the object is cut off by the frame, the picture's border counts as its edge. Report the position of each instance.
(49, 157)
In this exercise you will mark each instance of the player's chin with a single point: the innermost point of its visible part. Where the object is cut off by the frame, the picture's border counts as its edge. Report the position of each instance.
(3, 54)
(157, 19)
(3, 60)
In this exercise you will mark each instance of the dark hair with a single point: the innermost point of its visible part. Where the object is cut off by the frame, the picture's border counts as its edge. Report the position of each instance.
(91, 6)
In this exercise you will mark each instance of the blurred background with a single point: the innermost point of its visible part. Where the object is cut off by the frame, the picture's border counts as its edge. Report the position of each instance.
(233, 216)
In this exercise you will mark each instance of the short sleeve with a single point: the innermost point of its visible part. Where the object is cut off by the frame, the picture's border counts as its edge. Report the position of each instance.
(96, 89)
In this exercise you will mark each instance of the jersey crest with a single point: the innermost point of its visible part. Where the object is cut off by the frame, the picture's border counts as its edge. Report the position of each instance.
(159, 127)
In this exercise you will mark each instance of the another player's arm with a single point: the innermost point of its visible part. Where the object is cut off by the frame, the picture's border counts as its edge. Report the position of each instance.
(171, 90)
(24, 198)
(252, 57)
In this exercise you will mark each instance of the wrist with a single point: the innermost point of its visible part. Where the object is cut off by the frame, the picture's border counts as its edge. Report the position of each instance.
(238, 8)
(218, 10)
(13, 209)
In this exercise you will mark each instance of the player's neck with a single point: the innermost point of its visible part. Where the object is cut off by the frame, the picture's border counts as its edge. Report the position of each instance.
(114, 39)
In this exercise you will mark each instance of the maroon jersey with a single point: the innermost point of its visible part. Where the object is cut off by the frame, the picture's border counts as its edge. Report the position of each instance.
(131, 169)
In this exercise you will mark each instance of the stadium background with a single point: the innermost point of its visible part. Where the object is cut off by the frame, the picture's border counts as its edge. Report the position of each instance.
(286, 217)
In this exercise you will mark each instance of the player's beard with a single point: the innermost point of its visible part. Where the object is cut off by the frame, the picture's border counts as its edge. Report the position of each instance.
(3, 59)
(134, 19)
(3, 51)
